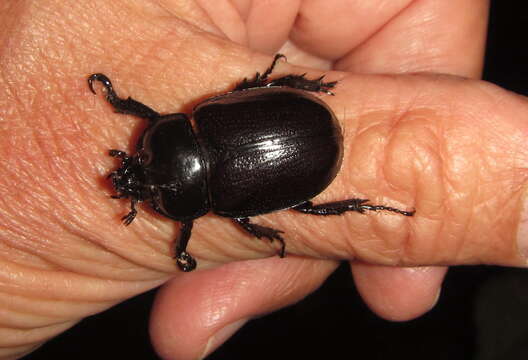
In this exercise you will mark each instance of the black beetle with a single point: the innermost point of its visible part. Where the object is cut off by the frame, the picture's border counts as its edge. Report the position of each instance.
(266, 146)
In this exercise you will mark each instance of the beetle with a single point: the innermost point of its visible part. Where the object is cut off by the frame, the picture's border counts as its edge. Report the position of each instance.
(267, 145)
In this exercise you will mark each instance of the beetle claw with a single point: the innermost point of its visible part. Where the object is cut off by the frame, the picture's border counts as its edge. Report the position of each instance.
(128, 218)
(185, 261)
(103, 79)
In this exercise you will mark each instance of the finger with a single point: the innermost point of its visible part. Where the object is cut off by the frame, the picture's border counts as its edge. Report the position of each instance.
(394, 39)
(398, 293)
(332, 29)
(395, 36)
(427, 36)
(259, 25)
(467, 187)
(209, 306)
(446, 31)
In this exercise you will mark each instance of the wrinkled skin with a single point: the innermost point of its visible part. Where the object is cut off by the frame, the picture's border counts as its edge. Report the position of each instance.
(451, 147)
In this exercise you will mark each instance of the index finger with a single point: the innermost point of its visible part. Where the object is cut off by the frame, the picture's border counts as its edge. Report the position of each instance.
(400, 36)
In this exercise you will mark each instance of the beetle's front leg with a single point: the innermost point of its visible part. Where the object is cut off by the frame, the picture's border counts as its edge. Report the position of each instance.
(184, 260)
(124, 106)
(339, 207)
(262, 231)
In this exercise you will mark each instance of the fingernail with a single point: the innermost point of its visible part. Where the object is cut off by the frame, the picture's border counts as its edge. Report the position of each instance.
(221, 336)
(436, 298)
(522, 231)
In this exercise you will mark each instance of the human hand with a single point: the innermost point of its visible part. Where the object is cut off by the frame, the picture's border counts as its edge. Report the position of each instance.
(44, 72)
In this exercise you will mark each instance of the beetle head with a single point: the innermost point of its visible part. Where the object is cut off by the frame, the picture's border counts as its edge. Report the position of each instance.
(128, 180)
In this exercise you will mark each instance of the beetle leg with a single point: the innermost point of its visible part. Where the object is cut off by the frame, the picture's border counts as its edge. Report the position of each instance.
(262, 231)
(123, 106)
(259, 80)
(184, 260)
(339, 207)
(293, 81)
(302, 83)
(269, 70)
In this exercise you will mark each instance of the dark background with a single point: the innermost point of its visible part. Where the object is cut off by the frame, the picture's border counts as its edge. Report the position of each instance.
(482, 313)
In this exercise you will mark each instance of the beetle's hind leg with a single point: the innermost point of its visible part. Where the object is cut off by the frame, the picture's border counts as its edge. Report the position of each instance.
(302, 83)
(184, 260)
(293, 81)
(339, 207)
(262, 231)
(123, 106)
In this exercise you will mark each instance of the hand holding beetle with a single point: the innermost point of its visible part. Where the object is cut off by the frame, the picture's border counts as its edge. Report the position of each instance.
(409, 141)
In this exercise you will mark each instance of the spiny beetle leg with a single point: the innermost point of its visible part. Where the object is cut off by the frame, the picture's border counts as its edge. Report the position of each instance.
(259, 80)
(123, 106)
(302, 83)
(339, 207)
(262, 231)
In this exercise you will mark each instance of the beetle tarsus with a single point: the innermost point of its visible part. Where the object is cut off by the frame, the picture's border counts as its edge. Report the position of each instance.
(387, 208)
(302, 83)
(104, 80)
(340, 207)
(262, 231)
(128, 218)
(124, 106)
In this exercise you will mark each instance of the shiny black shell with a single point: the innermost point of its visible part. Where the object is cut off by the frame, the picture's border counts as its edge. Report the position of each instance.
(174, 168)
(267, 149)
(251, 152)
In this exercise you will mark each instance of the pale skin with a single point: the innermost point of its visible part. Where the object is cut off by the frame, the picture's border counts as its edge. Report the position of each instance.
(450, 147)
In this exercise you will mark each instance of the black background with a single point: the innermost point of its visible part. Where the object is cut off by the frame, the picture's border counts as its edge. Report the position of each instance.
(481, 314)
